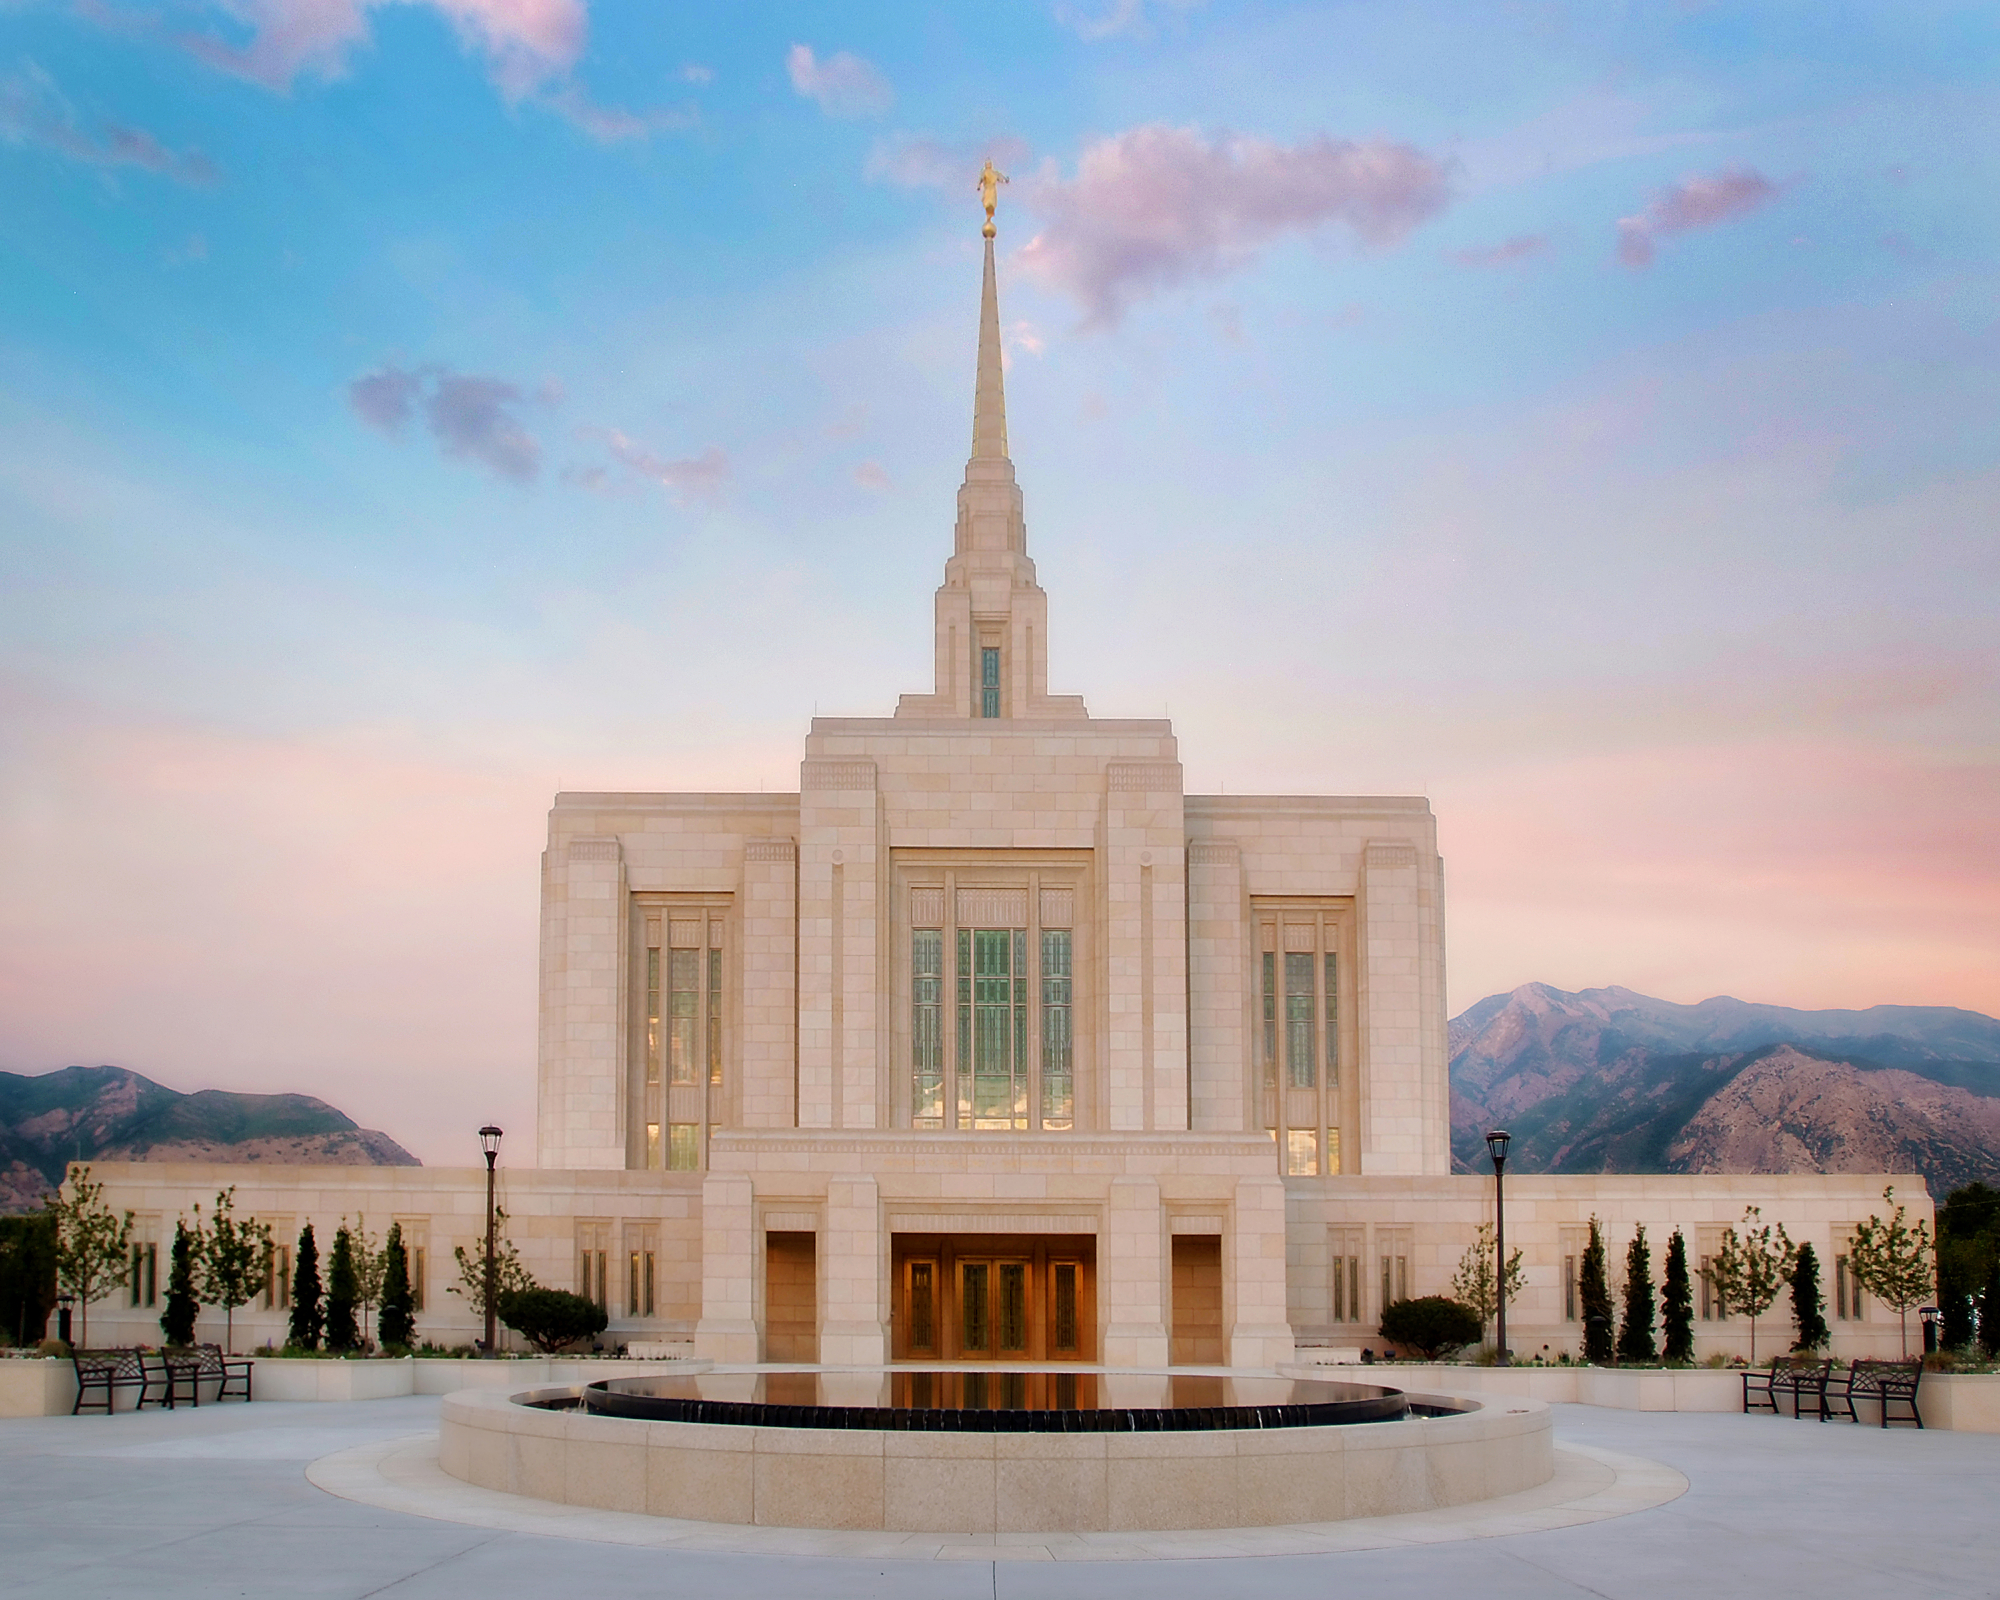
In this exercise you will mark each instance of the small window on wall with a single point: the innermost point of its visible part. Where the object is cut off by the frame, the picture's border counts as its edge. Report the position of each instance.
(1346, 1274)
(683, 1146)
(1847, 1306)
(1570, 1303)
(278, 1277)
(419, 1272)
(142, 1284)
(989, 681)
(1712, 1307)
(1301, 1152)
(652, 1144)
(1393, 1245)
(593, 1262)
(640, 1286)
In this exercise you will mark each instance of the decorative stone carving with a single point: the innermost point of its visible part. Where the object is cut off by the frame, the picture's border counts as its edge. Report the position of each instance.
(837, 775)
(927, 908)
(1144, 777)
(993, 908)
(770, 850)
(1058, 908)
(593, 850)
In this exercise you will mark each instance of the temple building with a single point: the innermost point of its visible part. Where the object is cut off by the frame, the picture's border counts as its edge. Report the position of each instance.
(992, 1043)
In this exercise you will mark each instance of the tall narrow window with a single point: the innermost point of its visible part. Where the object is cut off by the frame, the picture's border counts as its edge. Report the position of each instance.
(684, 1006)
(1058, 1041)
(989, 682)
(1299, 1065)
(1569, 1289)
(1333, 1152)
(927, 1028)
(1301, 1152)
(715, 1013)
(973, 1329)
(652, 1144)
(652, 1017)
(1270, 1018)
(1013, 1319)
(1332, 993)
(683, 1146)
(419, 1268)
(1062, 1333)
(992, 1028)
(923, 1335)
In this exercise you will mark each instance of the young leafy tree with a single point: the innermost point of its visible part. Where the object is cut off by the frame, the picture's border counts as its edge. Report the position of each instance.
(1677, 1302)
(1749, 1269)
(308, 1300)
(1808, 1305)
(1635, 1334)
(183, 1288)
(93, 1243)
(1595, 1293)
(1473, 1285)
(235, 1260)
(1894, 1262)
(343, 1294)
(509, 1275)
(370, 1263)
(398, 1320)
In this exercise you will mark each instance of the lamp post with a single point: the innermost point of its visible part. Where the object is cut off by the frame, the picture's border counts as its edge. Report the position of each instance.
(64, 1302)
(1496, 1146)
(1930, 1316)
(489, 1141)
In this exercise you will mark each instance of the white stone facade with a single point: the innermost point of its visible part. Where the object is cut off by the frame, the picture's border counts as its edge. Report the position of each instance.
(993, 975)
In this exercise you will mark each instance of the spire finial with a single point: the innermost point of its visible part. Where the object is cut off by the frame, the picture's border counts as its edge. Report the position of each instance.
(990, 179)
(989, 396)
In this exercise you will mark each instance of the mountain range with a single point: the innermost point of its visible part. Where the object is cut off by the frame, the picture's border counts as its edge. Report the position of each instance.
(110, 1114)
(1608, 1080)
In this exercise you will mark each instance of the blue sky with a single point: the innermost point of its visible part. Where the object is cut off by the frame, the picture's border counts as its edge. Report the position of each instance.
(1585, 415)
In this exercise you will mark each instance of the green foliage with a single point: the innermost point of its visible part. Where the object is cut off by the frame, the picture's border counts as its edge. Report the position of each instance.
(509, 1275)
(1432, 1325)
(1894, 1262)
(183, 1305)
(1474, 1284)
(398, 1321)
(1594, 1291)
(1635, 1334)
(308, 1300)
(371, 1262)
(1968, 1251)
(93, 1245)
(1808, 1305)
(27, 1276)
(549, 1319)
(1989, 1314)
(343, 1295)
(1677, 1302)
(1750, 1268)
(235, 1260)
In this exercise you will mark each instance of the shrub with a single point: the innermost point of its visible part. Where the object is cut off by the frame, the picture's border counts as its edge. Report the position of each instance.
(1432, 1325)
(549, 1319)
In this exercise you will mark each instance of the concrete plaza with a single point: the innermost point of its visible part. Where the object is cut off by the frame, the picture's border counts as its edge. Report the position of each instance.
(217, 1502)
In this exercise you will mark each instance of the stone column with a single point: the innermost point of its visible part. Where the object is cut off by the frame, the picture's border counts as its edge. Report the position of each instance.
(770, 964)
(854, 1269)
(1144, 898)
(580, 1120)
(1132, 1275)
(838, 921)
(1218, 939)
(731, 1261)
(1253, 1276)
(1389, 990)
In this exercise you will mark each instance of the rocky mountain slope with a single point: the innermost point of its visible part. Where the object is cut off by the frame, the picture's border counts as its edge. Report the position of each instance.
(110, 1114)
(1612, 1081)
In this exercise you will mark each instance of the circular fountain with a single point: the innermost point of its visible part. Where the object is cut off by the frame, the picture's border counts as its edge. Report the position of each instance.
(1009, 1450)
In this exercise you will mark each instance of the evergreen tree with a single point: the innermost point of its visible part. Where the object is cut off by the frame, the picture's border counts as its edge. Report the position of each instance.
(177, 1321)
(1595, 1294)
(343, 1294)
(1808, 1306)
(1677, 1301)
(1989, 1314)
(397, 1321)
(308, 1307)
(1635, 1336)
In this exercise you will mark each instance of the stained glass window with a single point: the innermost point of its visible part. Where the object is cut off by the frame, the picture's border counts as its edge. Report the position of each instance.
(652, 1017)
(1270, 1017)
(1058, 1038)
(989, 682)
(1299, 1063)
(1332, 993)
(683, 1146)
(927, 1028)
(714, 1015)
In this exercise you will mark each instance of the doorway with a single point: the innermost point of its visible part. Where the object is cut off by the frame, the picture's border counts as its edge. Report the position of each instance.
(994, 1297)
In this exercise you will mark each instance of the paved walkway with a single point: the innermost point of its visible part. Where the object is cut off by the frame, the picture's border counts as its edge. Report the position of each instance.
(216, 1502)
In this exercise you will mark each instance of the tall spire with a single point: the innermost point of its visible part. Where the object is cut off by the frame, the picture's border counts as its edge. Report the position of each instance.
(989, 397)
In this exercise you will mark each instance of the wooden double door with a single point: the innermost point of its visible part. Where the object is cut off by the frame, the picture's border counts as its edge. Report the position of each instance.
(994, 1297)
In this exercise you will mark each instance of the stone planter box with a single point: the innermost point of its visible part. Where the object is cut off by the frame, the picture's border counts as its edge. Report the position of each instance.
(293, 1378)
(36, 1388)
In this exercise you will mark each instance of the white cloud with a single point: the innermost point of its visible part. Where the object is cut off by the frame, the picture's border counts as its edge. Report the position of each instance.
(843, 85)
(1121, 18)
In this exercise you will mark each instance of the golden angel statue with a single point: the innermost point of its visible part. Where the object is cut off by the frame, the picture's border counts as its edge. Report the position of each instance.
(990, 180)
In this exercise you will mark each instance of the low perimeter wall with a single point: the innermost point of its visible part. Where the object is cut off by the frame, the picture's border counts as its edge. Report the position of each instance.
(994, 1482)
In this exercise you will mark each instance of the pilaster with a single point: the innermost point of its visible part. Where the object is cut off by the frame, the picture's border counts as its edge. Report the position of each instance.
(1390, 995)
(1133, 1275)
(730, 1261)
(581, 1124)
(770, 987)
(1259, 1329)
(854, 1263)
(1217, 940)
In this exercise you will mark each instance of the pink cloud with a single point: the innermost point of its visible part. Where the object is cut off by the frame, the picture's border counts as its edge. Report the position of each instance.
(1519, 248)
(926, 163)
(472, 418)
(1121, 18)
(872, 475)
(843, 85)
(1693, 203)
(34, 111)
(701, 477)
(1156, 206)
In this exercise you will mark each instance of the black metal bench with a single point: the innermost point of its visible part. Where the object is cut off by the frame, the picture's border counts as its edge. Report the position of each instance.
(206, 1363)
(1797, 1376)
(1887, 1383)
(104, 1372)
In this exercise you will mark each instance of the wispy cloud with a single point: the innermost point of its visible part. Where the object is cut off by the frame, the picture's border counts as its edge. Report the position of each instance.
(916, 161)
(34, 111)
(701, 477)
(873, 475)
(1522, 247)
(1121, 18)
(472, 418)
(613, 124)
(843, 85)
(1156, 206)
(1691, 204)
(189, 252)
